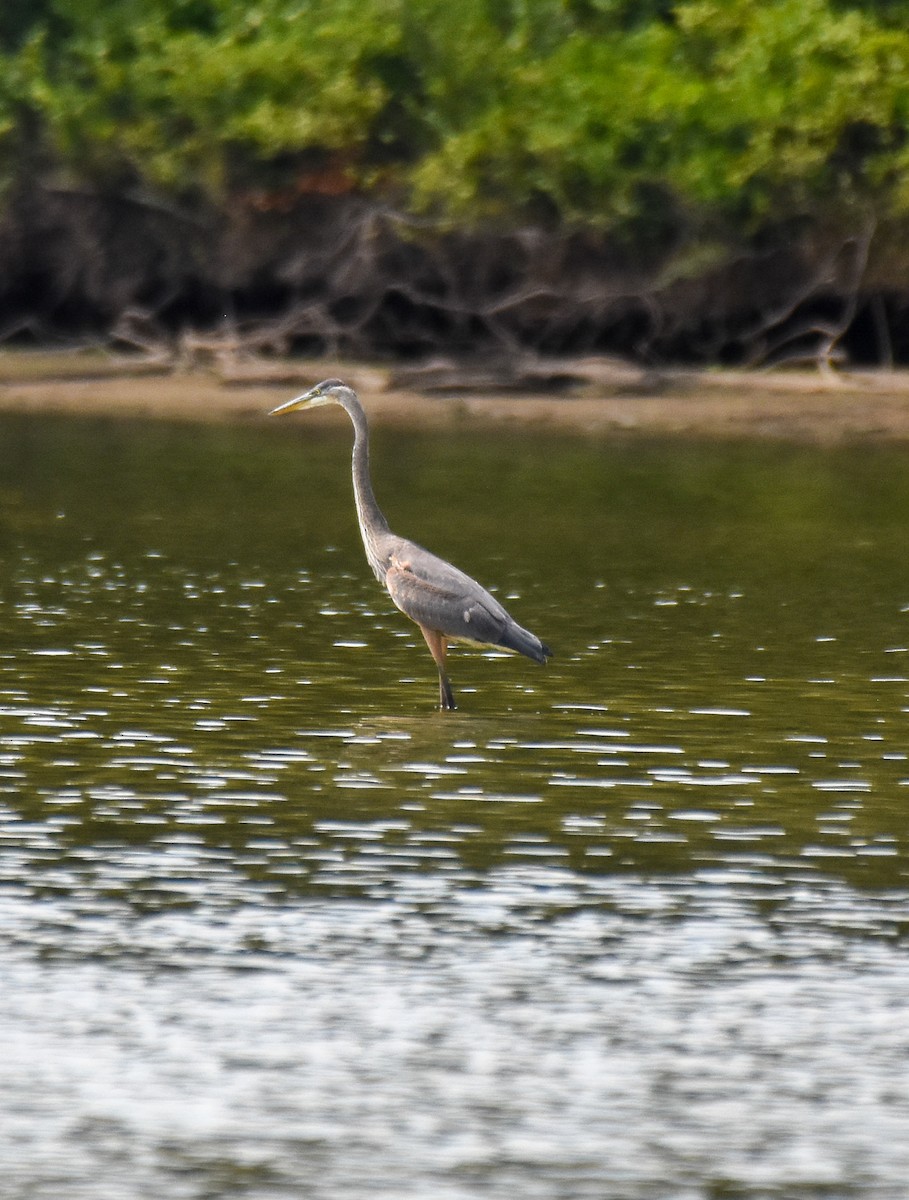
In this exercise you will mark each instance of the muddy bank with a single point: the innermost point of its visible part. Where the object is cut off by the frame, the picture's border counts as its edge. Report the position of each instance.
(726, 404)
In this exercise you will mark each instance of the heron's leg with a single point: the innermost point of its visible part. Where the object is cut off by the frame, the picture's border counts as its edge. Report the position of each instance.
(437, 647)
(446, 695)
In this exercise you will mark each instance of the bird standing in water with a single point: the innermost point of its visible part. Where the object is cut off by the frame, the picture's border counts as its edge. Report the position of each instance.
(446, 604)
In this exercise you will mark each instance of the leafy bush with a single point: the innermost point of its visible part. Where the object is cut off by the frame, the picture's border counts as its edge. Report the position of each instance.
(735, 110)
(631, 117)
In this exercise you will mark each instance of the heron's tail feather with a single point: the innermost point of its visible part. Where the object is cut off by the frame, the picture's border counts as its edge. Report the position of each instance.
(524, 642)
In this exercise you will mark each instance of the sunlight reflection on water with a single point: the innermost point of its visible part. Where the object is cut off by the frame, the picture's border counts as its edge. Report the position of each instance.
(271, 924)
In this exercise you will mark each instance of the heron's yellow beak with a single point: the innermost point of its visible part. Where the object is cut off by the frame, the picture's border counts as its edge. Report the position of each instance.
(310, 399)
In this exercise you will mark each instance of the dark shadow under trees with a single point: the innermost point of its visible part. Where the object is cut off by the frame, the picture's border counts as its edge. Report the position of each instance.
(341, 275)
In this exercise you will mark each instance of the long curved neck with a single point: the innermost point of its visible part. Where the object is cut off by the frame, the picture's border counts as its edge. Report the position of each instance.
(371, 518)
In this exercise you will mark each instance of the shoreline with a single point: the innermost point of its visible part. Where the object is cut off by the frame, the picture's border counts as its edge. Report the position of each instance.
(604, 398)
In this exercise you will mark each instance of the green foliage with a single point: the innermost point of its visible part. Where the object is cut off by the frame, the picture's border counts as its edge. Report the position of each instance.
(179, 94)
(632, 117)
(735, 110)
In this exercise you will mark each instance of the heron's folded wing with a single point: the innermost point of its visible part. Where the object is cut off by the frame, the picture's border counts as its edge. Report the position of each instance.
(455, 610)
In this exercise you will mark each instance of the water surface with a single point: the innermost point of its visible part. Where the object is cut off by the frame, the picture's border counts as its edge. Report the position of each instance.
(634, 925)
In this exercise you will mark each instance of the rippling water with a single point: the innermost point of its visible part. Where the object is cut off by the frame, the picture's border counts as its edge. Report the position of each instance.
(632, 926)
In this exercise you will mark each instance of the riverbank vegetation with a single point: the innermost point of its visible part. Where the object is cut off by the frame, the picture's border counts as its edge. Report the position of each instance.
(699, 180)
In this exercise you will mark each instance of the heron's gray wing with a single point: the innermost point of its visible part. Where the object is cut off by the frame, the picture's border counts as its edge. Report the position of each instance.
(438, 596)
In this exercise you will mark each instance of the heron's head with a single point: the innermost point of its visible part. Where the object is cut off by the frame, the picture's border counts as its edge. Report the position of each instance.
(329, 391)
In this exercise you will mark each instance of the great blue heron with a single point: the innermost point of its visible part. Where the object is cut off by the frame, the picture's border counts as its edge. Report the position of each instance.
(446, 604)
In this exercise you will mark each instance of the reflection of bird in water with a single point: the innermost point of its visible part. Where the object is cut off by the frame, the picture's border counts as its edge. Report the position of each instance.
(446, 604)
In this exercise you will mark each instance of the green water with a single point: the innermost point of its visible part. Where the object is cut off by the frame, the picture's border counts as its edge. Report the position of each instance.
(274, 926)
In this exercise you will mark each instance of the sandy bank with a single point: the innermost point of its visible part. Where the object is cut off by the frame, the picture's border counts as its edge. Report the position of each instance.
(783, 405)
